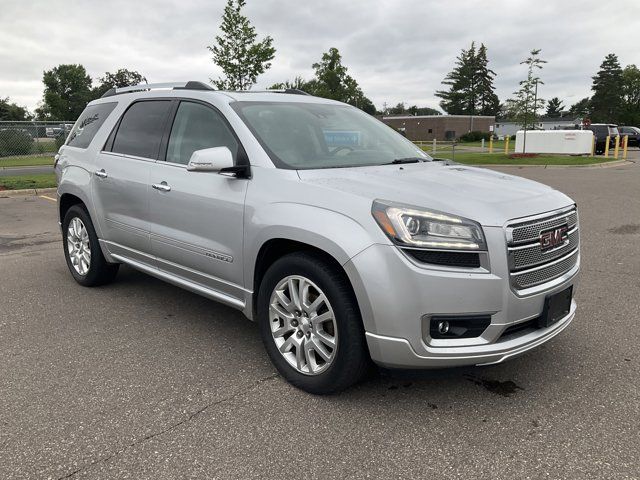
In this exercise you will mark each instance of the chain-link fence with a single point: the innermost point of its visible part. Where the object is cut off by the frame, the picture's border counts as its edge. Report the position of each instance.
(26, 140)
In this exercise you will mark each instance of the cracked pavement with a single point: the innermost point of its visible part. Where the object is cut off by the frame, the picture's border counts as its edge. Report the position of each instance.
(140, 379)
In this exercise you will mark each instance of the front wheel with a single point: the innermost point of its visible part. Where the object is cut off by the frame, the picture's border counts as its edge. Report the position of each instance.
(310, 324)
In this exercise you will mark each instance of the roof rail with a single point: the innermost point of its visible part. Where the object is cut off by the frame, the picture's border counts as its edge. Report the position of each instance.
(291, 91)
(191, 85)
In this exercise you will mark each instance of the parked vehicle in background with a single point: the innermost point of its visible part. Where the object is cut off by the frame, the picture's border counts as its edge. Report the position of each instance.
(342, 239)
(601, 131)
(58, 130)
(633, 133)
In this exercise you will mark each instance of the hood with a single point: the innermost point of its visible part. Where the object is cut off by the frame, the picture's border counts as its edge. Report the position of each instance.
(488, 197)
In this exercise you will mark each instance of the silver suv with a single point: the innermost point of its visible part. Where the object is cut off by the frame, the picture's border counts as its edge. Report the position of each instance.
(343, 240)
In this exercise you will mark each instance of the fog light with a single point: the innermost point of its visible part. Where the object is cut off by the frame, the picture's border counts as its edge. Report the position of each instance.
(457, 326)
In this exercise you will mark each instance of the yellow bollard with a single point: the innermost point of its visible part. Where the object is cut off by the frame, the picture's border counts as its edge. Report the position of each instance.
(593, 147)
(606, 146)
(491, 144)
(616, 149)
(625, 144)
(506, 145)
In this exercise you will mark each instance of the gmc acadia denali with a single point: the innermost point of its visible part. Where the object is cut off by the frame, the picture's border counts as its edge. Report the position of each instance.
(343, 240)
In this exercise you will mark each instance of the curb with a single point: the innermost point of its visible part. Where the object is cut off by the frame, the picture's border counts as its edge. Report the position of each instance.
(27, 192)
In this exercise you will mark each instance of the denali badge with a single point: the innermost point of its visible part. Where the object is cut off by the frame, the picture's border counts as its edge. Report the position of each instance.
(553, 237)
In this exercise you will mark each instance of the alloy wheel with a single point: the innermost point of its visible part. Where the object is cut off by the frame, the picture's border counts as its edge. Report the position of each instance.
(78, 246)
(303, 325)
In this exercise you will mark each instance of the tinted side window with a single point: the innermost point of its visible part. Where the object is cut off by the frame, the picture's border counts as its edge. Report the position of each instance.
(140, 130)
(88, 124)
(197, 127)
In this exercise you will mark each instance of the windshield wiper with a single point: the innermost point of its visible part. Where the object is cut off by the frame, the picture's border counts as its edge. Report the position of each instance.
(406, 160)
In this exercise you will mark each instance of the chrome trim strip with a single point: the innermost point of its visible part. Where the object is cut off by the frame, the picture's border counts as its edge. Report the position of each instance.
(541, 216)
(223, 257)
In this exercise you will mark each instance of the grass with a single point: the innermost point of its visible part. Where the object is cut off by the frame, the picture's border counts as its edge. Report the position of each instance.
(478, 158)
(28, 181)
(26, 161)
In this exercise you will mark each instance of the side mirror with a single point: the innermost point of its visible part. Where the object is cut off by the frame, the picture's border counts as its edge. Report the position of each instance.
(210, 160)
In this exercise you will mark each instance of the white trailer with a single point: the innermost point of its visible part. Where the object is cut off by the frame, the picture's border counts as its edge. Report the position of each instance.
(570, 142)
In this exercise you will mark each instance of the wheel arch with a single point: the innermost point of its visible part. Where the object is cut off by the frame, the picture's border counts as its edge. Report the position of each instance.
(277, 247)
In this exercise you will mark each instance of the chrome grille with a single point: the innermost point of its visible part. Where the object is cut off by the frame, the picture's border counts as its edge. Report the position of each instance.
(529, 265)
(529, 231)
(531, 255)
(546, 273)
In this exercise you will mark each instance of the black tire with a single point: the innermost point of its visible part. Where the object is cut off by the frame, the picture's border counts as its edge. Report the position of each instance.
(352, 358)
(100, 272)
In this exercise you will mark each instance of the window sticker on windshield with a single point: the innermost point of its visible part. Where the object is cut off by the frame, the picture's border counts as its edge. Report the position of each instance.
(341, 138)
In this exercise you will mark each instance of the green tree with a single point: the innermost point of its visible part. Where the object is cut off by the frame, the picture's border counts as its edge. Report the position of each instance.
(554, 107)
(415, 110)
(582, 108)
(471, 90)
(488, 102)
(630, 96)
(12, 111)
(526, 104)
(332, 81)
(121, 78)
(298, 83)
(398, 109)
(67, 90)
(606, 102)
(237, 52)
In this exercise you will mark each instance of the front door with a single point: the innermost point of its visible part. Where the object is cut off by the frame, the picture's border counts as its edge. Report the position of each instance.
(196, 218)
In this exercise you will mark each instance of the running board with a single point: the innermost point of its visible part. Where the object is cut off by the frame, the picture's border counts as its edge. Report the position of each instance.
(181, 282)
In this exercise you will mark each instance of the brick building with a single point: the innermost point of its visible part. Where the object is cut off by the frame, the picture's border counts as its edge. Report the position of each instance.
(440, 127)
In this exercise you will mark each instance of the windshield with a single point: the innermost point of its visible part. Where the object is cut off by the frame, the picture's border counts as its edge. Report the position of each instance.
(310, 135)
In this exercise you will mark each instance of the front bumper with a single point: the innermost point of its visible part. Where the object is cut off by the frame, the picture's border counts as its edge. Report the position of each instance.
(397, 297)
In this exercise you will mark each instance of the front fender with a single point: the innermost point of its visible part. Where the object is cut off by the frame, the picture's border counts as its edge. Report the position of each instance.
(340, 236)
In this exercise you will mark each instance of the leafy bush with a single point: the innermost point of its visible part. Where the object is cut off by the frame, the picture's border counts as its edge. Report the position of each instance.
(15, 142)
(475, 136)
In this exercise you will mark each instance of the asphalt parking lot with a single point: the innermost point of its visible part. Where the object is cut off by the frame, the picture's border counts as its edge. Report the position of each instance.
(140, 379)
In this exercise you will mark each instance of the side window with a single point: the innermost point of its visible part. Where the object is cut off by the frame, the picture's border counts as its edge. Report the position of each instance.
(88, 124)
(140, 130)
(197, 127)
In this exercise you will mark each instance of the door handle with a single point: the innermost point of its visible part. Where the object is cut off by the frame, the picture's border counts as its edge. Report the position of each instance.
(162, 186)
(101, 173)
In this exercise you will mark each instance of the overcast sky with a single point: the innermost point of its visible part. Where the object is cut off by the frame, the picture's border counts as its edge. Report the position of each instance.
(397, 50)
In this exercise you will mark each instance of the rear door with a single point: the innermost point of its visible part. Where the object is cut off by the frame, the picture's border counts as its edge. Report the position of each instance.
(121, 179)
(196, 218)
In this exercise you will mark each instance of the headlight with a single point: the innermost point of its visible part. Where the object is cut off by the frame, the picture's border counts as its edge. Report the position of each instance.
(416, 227)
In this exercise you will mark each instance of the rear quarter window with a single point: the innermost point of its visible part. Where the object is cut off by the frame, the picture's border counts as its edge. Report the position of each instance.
(88, 124)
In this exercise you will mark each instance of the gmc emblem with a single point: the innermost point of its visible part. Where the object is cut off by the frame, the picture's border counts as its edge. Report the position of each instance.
(552, 238)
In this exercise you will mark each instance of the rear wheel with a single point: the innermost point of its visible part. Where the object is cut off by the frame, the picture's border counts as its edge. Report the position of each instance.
(310, 324)
(82, 250)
